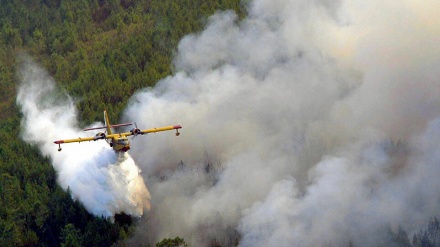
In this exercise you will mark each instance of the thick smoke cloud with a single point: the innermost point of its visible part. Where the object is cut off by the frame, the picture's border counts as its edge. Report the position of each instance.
(308, 123)
(96, 176)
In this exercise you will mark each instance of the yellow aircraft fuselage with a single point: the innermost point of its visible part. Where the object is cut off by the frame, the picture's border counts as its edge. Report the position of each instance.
(120, 144)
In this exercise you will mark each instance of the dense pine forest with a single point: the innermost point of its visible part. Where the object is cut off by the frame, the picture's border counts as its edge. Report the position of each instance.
(100, 52)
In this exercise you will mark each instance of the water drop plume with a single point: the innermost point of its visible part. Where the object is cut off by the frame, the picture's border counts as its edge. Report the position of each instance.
(103, 181)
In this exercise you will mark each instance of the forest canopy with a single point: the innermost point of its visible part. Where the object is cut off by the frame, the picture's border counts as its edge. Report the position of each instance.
(100, 52)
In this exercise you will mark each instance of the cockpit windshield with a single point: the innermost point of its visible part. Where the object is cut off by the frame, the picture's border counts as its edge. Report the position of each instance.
(122, 141)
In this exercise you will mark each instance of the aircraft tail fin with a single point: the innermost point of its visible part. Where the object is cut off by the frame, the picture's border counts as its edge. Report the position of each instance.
(107, 123)
(108, 126)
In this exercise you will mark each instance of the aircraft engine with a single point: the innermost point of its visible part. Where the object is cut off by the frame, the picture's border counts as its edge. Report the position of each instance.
(99, 135)
(135, 131)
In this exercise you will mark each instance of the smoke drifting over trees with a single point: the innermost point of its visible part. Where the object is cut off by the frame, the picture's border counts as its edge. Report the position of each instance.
(324, 116)
(307, 123)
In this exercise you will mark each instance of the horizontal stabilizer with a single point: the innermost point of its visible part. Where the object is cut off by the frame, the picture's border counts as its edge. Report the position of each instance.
(112, 126)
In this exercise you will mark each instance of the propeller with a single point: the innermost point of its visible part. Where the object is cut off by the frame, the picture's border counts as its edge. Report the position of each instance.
(135, 131)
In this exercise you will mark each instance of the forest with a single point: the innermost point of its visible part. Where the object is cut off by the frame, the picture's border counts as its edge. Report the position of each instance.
(99, 51)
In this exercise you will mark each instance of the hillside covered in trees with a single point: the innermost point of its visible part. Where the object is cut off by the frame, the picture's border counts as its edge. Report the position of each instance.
(100, 52)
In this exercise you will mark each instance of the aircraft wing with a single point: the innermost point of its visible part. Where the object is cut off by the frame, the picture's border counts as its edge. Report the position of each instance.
(153, 130)
(80, 139)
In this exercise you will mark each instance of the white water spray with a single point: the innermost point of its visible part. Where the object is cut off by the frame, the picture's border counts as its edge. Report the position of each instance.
(105, 183)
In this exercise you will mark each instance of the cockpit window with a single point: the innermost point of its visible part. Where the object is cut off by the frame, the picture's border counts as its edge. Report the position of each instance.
(123, 141)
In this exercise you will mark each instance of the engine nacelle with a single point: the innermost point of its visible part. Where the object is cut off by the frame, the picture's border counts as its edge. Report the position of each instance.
(135, 131)
(99, 135)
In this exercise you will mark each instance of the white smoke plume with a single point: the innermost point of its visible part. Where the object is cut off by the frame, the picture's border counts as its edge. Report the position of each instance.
(308, 123)
(103, 181)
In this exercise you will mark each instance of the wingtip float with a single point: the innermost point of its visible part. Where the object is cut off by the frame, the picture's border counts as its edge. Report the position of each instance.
(118, 141)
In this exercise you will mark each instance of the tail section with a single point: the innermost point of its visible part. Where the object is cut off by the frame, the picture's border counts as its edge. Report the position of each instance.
(107, 123)
(108, 126)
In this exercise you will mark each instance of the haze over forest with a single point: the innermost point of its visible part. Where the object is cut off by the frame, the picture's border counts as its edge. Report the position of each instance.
(305, 123)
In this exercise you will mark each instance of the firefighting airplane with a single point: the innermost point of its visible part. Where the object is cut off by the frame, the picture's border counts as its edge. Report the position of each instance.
(119, 141)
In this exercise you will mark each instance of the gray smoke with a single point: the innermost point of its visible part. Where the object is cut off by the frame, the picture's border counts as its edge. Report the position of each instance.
(100, 179)
(308, 123)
